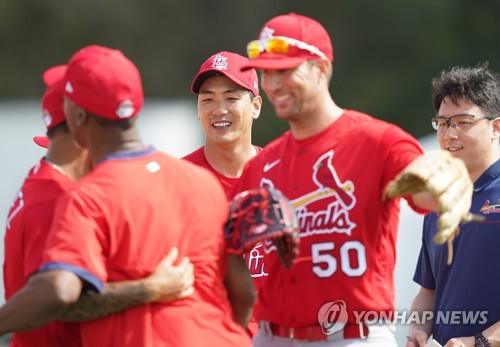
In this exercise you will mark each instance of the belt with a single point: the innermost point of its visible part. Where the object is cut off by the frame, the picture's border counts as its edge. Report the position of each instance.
(315, 332)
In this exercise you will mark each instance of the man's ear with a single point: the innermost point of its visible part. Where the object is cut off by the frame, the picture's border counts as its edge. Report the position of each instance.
(324, 67)
(257, 106)
(495, 127)
(81, 116)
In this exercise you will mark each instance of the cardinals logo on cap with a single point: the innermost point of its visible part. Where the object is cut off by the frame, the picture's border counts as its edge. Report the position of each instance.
(219, 63)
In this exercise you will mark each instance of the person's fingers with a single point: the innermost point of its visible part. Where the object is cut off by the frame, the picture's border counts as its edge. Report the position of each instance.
(186, 292)
(188, 276)
(171, 257)
(184, 264)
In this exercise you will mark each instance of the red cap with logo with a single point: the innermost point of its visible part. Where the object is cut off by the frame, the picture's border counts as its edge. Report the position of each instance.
(286, 41)
(227, 64)
(52, 102)
(104, 82)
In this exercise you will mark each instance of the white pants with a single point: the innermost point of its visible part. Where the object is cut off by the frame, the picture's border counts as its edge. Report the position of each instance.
(378, 336)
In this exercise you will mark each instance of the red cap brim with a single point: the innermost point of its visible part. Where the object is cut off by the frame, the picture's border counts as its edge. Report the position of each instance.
(42, 141)
(203, 76)
(276, 62)
(55, 75)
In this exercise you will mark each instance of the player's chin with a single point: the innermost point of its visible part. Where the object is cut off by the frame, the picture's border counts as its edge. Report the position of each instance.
(222, 138)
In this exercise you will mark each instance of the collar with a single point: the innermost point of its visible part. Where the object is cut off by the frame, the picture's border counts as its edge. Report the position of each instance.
(130, 154)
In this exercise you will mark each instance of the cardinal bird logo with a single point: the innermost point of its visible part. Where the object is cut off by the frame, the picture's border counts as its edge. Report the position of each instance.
(326, 179)
(339, 196)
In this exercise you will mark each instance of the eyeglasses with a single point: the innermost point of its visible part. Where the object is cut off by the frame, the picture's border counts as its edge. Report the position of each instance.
(460, 121)
(279, 45)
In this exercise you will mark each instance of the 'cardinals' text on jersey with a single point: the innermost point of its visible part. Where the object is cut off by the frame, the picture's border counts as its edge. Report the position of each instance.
(334, 180)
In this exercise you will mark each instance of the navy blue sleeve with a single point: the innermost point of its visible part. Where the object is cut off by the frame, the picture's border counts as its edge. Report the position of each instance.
(91, 281)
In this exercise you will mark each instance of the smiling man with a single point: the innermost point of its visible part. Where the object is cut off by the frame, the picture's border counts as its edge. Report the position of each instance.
(467, 103)
(228, 103)
(333, 164)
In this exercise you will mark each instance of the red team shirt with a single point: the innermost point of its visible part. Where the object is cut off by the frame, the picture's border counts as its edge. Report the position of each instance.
(198, 157)
(254, 258)
(334, 180)
(118, 223)
(28, 224)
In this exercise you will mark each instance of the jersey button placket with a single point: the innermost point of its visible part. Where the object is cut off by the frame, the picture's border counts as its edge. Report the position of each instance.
(295, 185)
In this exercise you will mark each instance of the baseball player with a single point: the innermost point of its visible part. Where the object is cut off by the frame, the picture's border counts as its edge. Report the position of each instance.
(118, 221)
(30, 217)
(467, 106)
(228, 103)
(29, 221)
(333, 165)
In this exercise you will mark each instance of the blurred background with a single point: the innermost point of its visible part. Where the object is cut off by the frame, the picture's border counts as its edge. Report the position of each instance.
(386, 54)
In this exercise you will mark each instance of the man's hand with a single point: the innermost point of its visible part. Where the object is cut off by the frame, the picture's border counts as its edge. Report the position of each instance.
(170, 282)
(447, 179)
(167, 283)
(416, 338)
(461, 342)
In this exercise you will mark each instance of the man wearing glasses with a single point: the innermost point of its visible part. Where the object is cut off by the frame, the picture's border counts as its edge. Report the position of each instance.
(467, 103)
(333, 165)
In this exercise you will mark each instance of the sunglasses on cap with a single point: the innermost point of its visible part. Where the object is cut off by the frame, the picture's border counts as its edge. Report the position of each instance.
(279, 45)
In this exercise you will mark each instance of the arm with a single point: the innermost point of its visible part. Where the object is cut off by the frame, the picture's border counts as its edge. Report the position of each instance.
(167, 283)
(423, 302)
(425, 200)
(30, 309)
(240, 289)
(492, 334)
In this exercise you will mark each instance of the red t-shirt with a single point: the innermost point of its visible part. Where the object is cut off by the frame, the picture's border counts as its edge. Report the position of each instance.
(117, 224)
(198, 157)
(28, 224)
(254, 258)
(334, 180)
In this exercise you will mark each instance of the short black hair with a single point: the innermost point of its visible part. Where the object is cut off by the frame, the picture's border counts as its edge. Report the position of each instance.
(123, 124)
(59, 128)
(477, 85)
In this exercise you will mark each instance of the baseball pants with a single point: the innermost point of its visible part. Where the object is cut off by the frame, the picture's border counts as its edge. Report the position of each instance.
(378, 336)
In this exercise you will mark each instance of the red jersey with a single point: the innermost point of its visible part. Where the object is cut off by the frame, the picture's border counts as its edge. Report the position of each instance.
(334, 180)
(199, 158)
(28, 224)
(254, 258)
(119, 222)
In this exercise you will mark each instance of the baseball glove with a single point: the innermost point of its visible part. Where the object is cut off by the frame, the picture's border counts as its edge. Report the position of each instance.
(262, 214)
(446, 178)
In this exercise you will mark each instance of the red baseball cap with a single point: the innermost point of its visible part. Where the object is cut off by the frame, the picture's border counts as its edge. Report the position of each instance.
(52, 102)
(307, 39)
(104, 82)
(227, 64)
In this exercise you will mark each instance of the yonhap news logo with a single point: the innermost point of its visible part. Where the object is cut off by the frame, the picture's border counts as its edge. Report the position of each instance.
(333, 317)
